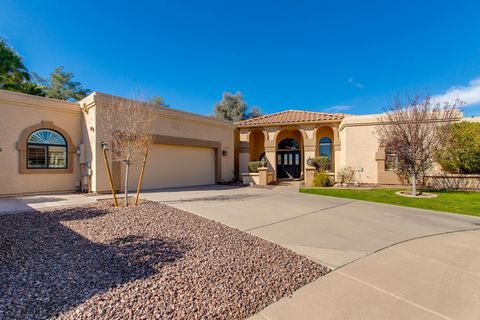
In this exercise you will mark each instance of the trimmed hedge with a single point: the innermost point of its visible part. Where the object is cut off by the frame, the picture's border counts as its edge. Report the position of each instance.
(254, 165)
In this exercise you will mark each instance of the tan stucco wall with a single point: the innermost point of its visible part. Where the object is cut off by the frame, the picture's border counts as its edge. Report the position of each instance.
(359, 146)
(20, 111)
(168, 122)
(256, 145)
(362, 151)
(471, 119)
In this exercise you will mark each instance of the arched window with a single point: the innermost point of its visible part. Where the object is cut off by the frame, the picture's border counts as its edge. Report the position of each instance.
(288, 144)
(326, 150)
(46, 149)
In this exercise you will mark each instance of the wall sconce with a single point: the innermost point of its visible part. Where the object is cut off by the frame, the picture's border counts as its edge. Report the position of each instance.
(92, 129)
(224, 153)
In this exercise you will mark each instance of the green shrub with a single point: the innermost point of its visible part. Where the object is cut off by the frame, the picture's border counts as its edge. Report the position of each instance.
(319, 163)
(321, 179)
(254, 165)
(462, 151)
(346, 175)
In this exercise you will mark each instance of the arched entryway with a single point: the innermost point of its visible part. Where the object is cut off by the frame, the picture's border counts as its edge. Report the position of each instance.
(289, 154)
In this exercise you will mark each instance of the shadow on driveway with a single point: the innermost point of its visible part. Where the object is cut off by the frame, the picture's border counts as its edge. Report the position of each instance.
(221, 197)
(46, 268)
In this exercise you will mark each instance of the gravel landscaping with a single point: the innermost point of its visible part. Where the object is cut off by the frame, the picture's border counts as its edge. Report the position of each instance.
(147, 262)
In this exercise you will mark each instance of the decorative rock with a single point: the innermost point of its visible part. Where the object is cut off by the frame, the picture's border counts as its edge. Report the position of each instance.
(144, 262)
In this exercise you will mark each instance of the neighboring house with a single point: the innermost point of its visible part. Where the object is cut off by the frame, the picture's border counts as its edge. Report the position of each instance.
(55, 146)
(49, 145)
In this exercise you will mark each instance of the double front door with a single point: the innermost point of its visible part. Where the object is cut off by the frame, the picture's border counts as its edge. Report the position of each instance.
(288, 164)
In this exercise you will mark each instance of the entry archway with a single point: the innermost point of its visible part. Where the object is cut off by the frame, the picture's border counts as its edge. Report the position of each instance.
(289, 145)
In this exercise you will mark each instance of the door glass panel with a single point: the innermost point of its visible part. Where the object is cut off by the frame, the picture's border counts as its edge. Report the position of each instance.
(279, 159)
(285, 158)
(297, 159)
(290, 158)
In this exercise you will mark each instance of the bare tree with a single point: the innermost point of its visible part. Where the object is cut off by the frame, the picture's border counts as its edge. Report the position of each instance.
(414, 129)
(129, 123)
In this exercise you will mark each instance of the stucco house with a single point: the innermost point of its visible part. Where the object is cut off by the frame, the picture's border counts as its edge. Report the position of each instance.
(48, 145)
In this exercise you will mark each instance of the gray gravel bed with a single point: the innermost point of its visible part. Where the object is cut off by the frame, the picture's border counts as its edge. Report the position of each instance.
(147, 262)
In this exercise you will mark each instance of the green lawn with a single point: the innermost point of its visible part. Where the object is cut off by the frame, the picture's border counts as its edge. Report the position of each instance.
(462, 202)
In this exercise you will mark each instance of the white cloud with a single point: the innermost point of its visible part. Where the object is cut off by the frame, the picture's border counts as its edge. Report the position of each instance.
(356, 84)
(339, 108)
(469, 94)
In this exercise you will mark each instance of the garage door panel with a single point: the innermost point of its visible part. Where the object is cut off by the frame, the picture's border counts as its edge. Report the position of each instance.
(176, 166)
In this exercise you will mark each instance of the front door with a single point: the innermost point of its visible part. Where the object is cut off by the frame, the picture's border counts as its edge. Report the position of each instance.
(288, 164)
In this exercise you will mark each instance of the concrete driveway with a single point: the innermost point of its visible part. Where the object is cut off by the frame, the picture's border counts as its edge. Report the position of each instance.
(389, 262)
(332, 231)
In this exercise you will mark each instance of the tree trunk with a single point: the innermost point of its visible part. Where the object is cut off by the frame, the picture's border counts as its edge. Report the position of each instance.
(414, 185)
(141, 176)
(127, 169)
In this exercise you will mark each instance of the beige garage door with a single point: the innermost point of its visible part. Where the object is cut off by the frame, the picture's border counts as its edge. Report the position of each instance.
(176, 166)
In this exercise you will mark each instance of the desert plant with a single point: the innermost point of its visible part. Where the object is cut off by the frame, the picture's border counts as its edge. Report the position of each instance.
(321, 179)
(319, 163)
(254, 165)
(346, 174)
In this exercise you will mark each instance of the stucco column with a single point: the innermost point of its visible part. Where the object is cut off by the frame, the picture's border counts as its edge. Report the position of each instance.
(337, 147)
(309, 151)
(271, 154)
(309, 148)
(271, 150)
(243, 152)
(263, 176)
(309, 175)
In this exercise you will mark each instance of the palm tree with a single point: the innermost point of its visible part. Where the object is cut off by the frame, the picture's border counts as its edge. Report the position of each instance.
(12, 69)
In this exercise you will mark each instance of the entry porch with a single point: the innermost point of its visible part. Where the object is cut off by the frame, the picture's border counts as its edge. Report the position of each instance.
(286, 147)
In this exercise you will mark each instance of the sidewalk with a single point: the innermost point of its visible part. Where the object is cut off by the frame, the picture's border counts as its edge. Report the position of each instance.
(26, 203)
(436, 277)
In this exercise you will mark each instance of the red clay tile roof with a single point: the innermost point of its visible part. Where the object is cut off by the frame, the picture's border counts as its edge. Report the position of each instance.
(291, 116)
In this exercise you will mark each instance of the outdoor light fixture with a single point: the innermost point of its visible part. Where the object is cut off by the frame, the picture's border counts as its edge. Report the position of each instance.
(224, 153)
(104, 145)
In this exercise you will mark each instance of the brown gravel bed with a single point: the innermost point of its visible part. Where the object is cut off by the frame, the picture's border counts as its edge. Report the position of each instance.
(148, 262)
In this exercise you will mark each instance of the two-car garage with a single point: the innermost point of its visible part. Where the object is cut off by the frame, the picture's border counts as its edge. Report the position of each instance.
(171, 166)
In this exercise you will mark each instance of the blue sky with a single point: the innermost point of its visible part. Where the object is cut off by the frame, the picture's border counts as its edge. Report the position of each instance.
(341, 56)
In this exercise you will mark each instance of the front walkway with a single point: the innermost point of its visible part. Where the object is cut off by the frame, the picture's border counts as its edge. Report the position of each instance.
(34, 202)
(390, 262)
